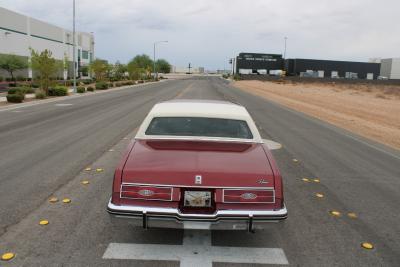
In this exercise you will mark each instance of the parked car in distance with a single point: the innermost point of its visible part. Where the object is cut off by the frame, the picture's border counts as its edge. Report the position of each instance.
(201, 165)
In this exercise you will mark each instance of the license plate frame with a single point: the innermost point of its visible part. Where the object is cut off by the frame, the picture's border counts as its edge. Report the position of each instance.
(197, 199)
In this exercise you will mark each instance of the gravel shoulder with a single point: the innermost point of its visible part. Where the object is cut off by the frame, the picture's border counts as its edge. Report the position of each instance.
(369, 111)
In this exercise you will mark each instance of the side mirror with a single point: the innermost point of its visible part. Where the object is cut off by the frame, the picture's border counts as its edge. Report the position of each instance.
(271, 144)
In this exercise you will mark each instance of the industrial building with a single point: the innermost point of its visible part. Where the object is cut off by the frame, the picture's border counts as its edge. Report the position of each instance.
(18, 33)
(390, 68)
(256, 63)
(274, 64)
(184, 70)
(332, 69)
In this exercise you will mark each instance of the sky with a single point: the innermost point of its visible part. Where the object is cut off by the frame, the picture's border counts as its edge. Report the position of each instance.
(207, 33)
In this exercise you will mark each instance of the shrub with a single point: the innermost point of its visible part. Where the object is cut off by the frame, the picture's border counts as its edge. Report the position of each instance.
(87, 81)
(15, 98)
(12, 85)
(27, 90)
(90, 89)
(35, 85)
(237, 77)
(20, 78)
(101, 86)
(58, 91)
(140, 81)
(16, 90)
(1, 79)
(80, 90)
(40, 94)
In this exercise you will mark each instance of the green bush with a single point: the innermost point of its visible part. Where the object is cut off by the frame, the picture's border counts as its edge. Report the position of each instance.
(12, 85)
(15, 98)
(58, 91)
(140, 81)
(1, 79)
(101, 86)
(237, 77)
(27, 90)
(90, 89)
(16, 90)
(20, 78)
(80, 90)
(87, 81)
(35, 85)
(40, 94)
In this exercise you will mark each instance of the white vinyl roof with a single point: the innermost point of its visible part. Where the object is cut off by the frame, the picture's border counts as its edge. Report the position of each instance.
(199, 108)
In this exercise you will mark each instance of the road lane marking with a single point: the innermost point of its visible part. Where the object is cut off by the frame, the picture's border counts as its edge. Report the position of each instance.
(7, 256)
(63, 105)
(196, 250)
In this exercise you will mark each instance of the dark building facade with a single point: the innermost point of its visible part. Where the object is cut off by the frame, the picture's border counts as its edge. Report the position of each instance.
(254, 62)
(295, 66)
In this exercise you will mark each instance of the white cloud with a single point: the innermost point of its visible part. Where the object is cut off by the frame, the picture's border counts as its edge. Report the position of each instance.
(206, 33)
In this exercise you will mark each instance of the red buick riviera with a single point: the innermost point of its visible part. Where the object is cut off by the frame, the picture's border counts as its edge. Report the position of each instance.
(198, 165)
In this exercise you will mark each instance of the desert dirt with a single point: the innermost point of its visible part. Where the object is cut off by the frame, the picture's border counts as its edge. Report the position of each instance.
(372, 111)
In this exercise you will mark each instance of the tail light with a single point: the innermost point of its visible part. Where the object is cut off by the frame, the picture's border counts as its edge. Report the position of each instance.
(146, 192)
(248, 196)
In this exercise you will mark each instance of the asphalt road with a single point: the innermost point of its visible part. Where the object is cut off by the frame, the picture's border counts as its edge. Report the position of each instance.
(45, 148)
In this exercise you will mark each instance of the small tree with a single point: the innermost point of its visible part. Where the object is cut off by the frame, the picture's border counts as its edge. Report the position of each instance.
(12, 63)
(119, 70)
(100, 68)
(141, 64)
(45, 67)
(163, 66)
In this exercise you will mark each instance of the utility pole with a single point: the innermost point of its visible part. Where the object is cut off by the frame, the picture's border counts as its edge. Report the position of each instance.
(189, 68)
(284, 53)
(154, 59)
(74, 45)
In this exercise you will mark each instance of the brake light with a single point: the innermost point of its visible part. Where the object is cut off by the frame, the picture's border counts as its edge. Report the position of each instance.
(248, 196)
(146, 192)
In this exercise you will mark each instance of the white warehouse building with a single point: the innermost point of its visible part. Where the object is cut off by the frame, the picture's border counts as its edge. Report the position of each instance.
(18, 33)
(390, 68)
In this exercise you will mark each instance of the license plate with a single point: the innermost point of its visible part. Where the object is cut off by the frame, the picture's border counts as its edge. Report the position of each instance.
(197, 198)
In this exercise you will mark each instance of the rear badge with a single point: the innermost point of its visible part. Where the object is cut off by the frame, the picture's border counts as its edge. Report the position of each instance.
(197, 179)
(262, 181)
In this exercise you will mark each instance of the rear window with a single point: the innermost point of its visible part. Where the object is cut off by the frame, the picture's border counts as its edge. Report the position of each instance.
(195, 126)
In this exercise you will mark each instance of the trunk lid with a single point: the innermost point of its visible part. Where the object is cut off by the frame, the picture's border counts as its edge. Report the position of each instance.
(177, 163)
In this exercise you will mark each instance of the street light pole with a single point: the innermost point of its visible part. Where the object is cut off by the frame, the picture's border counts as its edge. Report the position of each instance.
(74, 46)
(284, 53)
(154, 58)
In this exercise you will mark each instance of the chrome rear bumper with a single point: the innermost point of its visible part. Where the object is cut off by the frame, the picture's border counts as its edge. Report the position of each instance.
(150, 217)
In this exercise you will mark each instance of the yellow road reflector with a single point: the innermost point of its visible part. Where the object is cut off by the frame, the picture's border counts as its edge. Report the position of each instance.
(352, 215)
(316, 180)
(99, 169)
(111, 150)
(7, 256)
(125, 138)
(85, 182)
(305, 180)
(53, 200)
(319, 195)
(66, 200)
(335, 213)
(44, 222)
(295, 160)
(88, 169)
(367, 245)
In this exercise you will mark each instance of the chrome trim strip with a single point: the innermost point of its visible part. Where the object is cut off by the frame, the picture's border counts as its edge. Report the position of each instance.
(220, 213)
(141, 185)
(202, 186)
(253, 202)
